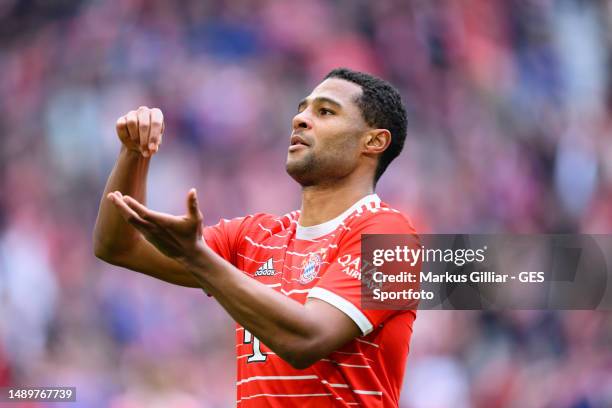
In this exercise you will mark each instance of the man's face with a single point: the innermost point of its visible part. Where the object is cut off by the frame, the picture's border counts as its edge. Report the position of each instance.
(325, 142)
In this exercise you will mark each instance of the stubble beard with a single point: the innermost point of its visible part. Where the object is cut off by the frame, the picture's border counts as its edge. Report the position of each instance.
(304, 170)
(313, 170)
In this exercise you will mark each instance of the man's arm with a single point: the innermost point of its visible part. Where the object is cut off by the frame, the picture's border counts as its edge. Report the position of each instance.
(115, 241)
(299, 334)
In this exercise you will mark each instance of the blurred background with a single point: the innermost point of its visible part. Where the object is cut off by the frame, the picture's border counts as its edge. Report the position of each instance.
(510, 125)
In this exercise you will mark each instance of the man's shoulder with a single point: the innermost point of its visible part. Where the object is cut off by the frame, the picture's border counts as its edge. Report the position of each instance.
(266, 222)
(380, 218)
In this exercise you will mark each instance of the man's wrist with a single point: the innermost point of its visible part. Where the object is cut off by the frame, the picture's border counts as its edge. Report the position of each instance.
(202, 265)
(132, 154)
(199, 260)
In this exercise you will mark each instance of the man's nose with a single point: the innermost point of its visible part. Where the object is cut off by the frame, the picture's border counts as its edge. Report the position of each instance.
(301, 120)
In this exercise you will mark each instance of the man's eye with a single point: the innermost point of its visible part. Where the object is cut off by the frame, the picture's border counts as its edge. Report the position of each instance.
(324, 111)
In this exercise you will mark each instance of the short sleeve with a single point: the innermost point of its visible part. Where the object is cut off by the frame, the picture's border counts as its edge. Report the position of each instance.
(225, 237)
(340, 286)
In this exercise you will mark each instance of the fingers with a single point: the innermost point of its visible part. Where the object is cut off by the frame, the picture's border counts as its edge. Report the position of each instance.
(150, 216)
(144, 127)
(122, 130)
(142, 130)
(132, 126)
(157, 130)
(193, 209)
(142, 211)
(128, 213)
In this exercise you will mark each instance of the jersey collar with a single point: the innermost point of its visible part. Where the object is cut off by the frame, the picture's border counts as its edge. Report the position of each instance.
(319, 230)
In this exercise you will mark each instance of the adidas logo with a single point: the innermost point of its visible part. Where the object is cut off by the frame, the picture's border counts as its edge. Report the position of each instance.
(266, 269)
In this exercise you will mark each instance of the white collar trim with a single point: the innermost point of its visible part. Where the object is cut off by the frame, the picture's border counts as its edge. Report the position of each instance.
(319, 230)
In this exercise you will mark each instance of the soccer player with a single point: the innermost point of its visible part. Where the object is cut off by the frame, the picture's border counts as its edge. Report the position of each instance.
(291, 282)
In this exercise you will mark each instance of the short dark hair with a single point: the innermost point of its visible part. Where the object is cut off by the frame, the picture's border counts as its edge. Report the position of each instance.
(382, 108)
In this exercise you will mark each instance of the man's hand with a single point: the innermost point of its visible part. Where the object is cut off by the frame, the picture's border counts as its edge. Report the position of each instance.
(141, 130)
(178, 237)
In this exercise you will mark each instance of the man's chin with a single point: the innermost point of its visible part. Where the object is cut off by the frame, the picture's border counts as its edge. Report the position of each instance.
(295, 166)
(300, 172)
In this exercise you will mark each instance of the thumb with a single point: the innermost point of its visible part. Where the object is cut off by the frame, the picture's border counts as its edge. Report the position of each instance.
(193, 209)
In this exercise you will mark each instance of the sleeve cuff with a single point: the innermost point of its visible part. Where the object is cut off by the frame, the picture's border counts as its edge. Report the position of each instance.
(343, 305)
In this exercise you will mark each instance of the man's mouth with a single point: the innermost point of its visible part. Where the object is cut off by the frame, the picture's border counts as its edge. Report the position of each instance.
(298, 140)
(298, 143)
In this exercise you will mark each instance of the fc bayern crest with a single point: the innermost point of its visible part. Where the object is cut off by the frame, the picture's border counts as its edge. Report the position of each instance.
(311, 269)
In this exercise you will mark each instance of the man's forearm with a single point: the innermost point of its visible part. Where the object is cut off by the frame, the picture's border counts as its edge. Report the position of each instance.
(278, 321)
(129, 176)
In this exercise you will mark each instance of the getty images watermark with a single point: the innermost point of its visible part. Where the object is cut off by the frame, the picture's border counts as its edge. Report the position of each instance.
(479, 272)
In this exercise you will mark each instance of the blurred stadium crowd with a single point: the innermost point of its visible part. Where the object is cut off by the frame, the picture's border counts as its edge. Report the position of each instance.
(510, 125)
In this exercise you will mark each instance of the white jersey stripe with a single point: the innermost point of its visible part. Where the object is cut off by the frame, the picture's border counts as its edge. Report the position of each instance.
(255, 260)
(353, 354)
(344, 364)
(269, 231)
(367, 342)
(284, 246)
(250, 241)
(277, 377)
(292, 291)
(285, 396)
(298, 253)
(366, 392)
(334, 385)
(281, 224)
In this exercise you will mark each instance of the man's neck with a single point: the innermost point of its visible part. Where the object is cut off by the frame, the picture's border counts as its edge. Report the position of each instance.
(324, 203)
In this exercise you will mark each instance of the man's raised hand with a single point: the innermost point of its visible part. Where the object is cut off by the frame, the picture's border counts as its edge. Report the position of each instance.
(178, 237)
(141, 130)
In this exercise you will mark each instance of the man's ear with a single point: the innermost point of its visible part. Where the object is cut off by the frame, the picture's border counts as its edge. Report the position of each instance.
(377, 141)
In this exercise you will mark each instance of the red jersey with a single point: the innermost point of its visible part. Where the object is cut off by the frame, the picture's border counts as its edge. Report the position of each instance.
(322, 262)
